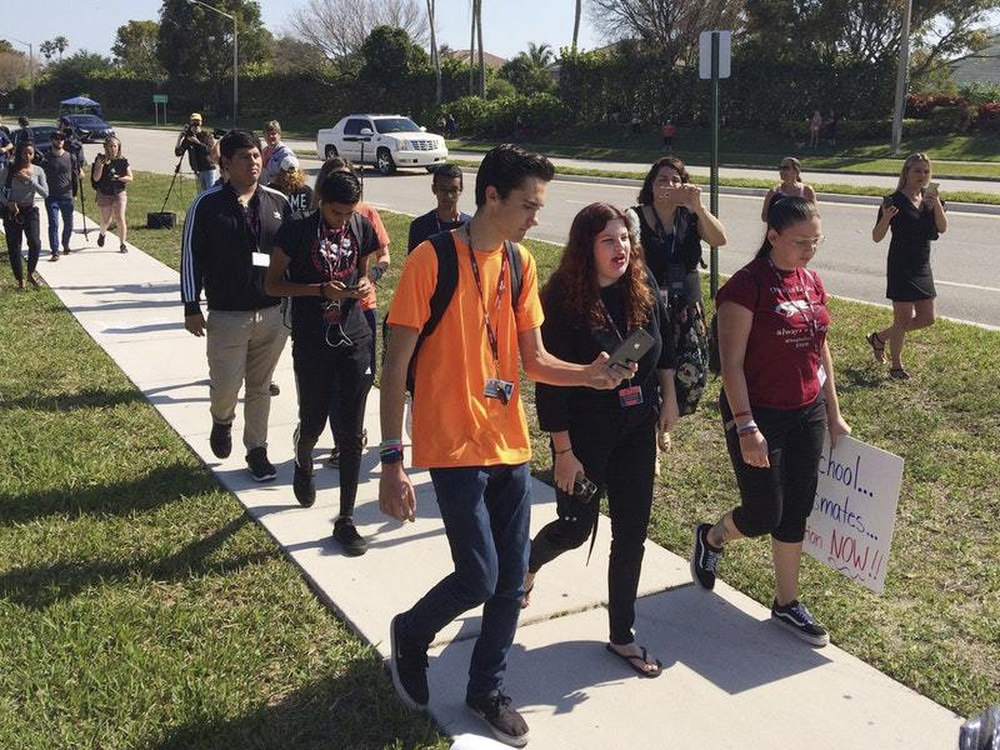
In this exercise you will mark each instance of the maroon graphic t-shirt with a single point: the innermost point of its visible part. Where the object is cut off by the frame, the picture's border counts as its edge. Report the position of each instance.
(790, 322)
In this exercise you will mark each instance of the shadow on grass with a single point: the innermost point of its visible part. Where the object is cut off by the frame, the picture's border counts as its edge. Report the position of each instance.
(42, 586)
(90, 398)
(855, 378)
(156, 488)
(355, 708)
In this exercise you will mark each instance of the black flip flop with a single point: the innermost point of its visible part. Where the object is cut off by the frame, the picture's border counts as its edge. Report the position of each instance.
(645, 660)
(526, 599)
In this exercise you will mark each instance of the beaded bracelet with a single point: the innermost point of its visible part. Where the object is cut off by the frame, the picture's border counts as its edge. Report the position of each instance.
(742, 414)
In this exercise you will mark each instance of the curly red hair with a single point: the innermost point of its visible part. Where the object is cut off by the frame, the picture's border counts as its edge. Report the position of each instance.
(574, 284)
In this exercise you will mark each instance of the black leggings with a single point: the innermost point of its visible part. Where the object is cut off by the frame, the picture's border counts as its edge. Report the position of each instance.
(778, 500)
(618, 453)
(318, 366)
(27, 225)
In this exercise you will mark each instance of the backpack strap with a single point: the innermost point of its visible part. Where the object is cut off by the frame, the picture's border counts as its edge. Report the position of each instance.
(356, 227)
(516, 272)
(447, 279)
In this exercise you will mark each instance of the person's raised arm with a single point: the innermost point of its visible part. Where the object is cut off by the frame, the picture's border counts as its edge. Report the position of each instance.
(395, 491)
(542, 367)
(885, 215)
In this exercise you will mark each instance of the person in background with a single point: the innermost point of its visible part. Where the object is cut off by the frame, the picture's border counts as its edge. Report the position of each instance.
(778, 401)
(916, 216)
(202, 152)
(791, 184)
(321, 263)
(815, 125)
(672, 222)
(293, 183)
(20, 182)
(669, 131)
(111, 174)
(599, 295)
(452, 126)
(60, 173)
(377, 266)
(275, 152)
(446, 185)
(6, 147)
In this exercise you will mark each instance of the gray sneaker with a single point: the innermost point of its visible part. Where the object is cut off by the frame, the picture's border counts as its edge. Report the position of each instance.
(506, 724)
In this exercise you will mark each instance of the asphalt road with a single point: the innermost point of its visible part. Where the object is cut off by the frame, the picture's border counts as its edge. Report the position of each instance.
(967, 266)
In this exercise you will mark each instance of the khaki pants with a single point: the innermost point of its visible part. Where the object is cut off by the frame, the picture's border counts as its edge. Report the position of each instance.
(244, 346)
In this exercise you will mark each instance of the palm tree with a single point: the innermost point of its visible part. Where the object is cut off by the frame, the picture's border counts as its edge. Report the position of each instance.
(472, 51)
(576, 23)
(61, 44)
(482, 59)
(435, 54)
(541, 55)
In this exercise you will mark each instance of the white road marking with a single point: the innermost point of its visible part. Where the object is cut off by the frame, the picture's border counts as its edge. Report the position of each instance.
(968, 286)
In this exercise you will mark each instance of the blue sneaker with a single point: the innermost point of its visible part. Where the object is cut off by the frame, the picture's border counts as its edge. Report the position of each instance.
(796, 618)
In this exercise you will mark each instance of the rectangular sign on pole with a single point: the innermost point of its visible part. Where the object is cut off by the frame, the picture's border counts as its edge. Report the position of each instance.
(854, 513)
(159, 98)
(705, 53)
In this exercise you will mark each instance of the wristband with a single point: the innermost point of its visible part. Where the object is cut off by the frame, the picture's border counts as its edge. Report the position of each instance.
(390, 444)
(742, 414)
(746, 429)
(394, 456)
(559, 453)
(376, 272)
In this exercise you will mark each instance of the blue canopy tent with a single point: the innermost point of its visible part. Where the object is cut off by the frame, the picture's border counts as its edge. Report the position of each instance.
(82, 102)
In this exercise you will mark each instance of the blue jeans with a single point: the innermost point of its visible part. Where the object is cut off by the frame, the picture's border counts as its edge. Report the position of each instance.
(486, 511)
(206, 179)
(53, 208)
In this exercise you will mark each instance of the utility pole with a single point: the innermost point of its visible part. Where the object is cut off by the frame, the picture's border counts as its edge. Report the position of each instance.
(31, 69)
(901, 74)
(236, 58)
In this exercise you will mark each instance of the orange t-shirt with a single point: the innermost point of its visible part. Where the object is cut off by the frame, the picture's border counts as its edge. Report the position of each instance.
(454, 424)
(371, 302)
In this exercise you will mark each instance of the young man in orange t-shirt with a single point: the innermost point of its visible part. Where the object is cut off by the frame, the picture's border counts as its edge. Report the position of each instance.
(469, 429)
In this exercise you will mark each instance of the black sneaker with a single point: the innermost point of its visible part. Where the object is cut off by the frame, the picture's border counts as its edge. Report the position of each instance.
(705, 558)
(273, 389)
(261, 469)
(221, 439)
(65, 249)
(333, 461)
(799, 620)
(304, 486)
(100, 240)
(505, 723)
(345, 534)
(53, 257)
(408, 666)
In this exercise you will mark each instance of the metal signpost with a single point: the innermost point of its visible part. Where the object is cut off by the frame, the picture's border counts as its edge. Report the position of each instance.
(159, 99)
(715, 62)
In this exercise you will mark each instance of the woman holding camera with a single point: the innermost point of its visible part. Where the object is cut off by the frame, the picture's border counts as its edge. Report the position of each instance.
(20, 182)
(111, 174)
(601, 293)
(671, 223)
(321, 262)
(916, 215)
(778, 401)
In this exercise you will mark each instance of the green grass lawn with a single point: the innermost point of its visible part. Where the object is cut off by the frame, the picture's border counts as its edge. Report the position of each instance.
(936, 628)
(140, 607)
(763, 149)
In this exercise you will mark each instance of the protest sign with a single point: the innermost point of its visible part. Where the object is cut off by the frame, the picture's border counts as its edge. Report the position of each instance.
(854, 513)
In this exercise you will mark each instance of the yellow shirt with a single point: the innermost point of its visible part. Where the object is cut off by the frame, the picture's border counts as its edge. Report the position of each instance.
(454, 424)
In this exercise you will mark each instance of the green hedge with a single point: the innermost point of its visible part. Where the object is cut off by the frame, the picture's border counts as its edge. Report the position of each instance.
(540, 114)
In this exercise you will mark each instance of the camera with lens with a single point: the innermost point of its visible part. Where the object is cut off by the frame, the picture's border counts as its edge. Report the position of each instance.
(219, 132)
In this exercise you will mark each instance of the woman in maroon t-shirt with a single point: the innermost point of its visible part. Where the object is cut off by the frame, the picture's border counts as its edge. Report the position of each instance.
(777, 403)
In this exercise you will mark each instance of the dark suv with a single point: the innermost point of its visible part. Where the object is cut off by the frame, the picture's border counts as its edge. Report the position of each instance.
(89, 128)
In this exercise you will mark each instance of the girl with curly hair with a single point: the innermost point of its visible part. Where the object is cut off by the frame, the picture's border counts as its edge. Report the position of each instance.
(600, 294)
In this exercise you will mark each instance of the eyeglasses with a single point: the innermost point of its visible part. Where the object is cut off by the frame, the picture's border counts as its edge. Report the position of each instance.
(809, 244)
(449, 192)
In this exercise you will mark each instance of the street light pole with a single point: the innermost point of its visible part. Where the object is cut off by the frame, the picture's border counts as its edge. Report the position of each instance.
(236, 58)
(31, 69)
(904, 64)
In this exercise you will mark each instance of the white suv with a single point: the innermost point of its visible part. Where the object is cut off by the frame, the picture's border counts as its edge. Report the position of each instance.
(387, 141)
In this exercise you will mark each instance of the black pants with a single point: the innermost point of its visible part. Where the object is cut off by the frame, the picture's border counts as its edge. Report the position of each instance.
(318, 367)
(777, 500)
(26, 224)
(371, 317)
(618, 453)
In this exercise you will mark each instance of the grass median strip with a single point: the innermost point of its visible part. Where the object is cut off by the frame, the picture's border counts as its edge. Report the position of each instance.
(937, 627)
(961, 196)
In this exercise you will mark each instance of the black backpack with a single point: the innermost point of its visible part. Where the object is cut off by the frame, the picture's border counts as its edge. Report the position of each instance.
(444, 290)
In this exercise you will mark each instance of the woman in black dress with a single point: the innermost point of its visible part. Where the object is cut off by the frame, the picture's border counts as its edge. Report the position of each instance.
(671, 223)
(916, 216)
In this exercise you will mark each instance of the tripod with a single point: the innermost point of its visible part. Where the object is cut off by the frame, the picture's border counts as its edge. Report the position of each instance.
(177, 171)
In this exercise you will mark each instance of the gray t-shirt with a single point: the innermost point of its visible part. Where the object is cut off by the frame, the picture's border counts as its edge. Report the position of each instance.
(59, 175)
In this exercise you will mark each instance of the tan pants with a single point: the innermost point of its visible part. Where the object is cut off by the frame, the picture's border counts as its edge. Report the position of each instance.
(244, 346)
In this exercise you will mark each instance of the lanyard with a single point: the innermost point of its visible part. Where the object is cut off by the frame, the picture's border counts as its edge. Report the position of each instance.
(491, 335)
(251, 219)
(661, 234)
(810, 318)
(611, 323)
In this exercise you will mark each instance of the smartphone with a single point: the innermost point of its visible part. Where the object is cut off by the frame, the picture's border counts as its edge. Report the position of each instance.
(931, 191)
(632, 349)
(583, 489)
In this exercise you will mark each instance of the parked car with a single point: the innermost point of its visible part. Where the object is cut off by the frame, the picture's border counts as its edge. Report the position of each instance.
(386, 141)
(41, 139)
(90, 128)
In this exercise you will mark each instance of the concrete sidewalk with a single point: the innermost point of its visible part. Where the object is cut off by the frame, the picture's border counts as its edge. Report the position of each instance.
(732, 679)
